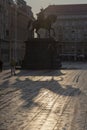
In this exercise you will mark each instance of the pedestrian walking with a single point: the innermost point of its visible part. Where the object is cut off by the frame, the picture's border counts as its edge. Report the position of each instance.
(13, 65)
(1, 65)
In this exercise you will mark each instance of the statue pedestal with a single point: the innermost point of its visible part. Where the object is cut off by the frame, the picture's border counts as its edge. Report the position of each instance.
(41, 54)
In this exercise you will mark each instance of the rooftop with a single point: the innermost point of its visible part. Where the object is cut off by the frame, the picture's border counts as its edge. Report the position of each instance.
(67, 9)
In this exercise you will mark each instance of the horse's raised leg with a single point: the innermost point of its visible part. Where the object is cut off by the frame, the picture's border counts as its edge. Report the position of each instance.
(38, 35)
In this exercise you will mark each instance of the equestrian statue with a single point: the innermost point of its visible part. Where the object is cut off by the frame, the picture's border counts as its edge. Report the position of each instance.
(42, 22)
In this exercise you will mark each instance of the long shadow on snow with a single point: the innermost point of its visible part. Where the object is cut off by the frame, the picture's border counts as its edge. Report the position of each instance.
(30, 89)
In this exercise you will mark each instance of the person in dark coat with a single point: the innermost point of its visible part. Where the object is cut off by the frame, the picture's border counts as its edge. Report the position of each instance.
(1, 65)
(13, 65)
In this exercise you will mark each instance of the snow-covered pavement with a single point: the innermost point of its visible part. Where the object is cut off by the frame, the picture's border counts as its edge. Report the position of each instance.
(44, 100)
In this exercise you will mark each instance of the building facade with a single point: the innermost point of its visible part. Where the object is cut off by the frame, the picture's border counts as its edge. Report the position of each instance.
(70, 28)
(13, 24)
(3, 32)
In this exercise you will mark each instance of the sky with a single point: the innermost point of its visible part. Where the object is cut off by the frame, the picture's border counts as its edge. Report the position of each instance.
(38, 4)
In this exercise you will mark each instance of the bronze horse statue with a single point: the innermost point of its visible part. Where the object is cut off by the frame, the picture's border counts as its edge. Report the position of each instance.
(43, 22)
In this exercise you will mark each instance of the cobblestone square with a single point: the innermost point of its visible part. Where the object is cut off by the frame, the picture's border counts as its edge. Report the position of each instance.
(44, 99)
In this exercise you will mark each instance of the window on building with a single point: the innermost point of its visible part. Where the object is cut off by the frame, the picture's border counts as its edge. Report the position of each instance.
(7, 32)
(0, 8)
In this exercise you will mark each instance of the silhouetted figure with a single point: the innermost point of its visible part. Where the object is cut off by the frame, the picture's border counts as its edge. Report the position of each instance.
(1, 65)
(13, 65)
